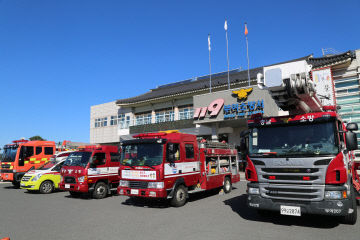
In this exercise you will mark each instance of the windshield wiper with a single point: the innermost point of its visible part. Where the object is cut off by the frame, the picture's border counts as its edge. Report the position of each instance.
(149, 166)
(129, 166)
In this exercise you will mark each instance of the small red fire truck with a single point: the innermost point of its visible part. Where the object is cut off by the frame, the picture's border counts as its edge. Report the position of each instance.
(171, 165)
(91, 169)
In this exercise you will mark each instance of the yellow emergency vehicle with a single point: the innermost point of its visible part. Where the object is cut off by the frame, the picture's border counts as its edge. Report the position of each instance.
(45, 179)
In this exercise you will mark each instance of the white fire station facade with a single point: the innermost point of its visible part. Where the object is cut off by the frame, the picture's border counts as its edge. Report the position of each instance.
(188, 106)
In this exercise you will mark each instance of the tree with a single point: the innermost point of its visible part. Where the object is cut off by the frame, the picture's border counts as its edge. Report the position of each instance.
(37, 138)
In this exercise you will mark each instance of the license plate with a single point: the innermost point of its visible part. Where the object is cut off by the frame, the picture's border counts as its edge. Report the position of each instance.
(67, 185)
(134, 191)
(289, 210)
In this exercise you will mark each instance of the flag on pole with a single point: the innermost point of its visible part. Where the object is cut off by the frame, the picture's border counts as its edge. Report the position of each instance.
(246, 30)
(225, 25)
(209, 43)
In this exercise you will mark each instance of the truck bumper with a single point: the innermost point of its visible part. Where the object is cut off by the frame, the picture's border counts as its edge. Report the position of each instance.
(7, 177)
(75, 187)
(152, 193)
(325, 207)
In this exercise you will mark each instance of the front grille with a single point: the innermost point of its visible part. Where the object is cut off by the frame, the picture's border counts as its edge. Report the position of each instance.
(138, 184)
(5, 166)
(290, 170)
(69, 180)
(292, 179)
(302, 193)
(26, 178)
(5, 171)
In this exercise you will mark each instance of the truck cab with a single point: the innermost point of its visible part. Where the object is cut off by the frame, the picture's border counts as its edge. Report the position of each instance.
(91, 169)
(22, 156)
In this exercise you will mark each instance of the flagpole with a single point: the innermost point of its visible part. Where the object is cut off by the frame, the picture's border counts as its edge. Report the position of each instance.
(209, 59)
(247, 54)
(227, 52)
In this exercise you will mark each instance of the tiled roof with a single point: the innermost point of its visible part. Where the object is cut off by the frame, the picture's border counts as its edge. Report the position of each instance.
(220, 79)
(198, 84)
(331, 60)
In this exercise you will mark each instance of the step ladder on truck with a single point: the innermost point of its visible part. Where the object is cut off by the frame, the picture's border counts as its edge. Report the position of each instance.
(171, 165)
(301, 163)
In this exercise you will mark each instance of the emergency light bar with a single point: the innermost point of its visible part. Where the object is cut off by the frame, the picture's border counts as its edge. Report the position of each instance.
(150, 135)
(20, 141)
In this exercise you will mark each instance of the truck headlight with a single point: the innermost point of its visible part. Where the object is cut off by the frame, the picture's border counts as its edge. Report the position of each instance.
(333, 195)
(156, 185)
(252, 190)
(82, 179)
(124, 183)
(36, 177)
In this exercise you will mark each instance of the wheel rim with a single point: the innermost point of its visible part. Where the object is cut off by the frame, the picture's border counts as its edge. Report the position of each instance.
(227, 185)
(47, 187)
(101, 190)
(180, 195)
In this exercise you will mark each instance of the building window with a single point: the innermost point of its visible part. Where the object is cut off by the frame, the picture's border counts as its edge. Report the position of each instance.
(164, 115)
(143, 118)
(186, 112)
(123, 121)
(101, 122)
(113, 120)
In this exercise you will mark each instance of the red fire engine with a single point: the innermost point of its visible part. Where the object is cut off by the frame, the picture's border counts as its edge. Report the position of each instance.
(301, 163)
(171, 165)
(91, 169)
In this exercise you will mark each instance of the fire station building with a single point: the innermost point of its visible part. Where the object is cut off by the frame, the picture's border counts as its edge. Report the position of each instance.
(190, 107)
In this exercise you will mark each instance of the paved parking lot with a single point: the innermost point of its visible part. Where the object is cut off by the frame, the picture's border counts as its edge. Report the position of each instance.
(206, 216)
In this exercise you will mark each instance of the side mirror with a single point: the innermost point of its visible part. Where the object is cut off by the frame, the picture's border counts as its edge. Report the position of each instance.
(170, 153)
(351, 141)
(22, 157)
(352, 127)
(243, 145)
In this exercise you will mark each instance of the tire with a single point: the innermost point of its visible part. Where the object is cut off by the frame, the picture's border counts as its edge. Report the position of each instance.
(75, 194)
(16, 184)
(46, 187)
(227, 185)
(352, 217)
(179, 198)
(100, 191)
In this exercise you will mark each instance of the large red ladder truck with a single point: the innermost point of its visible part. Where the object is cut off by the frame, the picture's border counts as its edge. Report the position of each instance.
(303, 162)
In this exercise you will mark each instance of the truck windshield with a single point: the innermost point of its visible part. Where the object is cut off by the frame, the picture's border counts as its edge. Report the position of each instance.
(9, 154)
(148, 154)
(294, 140)
(78, 159)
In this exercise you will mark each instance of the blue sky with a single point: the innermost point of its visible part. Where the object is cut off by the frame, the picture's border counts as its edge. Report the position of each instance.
(59, 57)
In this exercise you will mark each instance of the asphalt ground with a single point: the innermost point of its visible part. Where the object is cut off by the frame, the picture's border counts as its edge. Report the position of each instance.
(207, 216)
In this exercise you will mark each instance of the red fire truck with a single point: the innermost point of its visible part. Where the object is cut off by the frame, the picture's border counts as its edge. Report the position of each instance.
(22, 156)
(171, 165)
(91, 169)
(301, 163)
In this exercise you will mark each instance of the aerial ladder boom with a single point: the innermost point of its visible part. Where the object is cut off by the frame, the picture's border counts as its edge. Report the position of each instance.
(291, 87)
